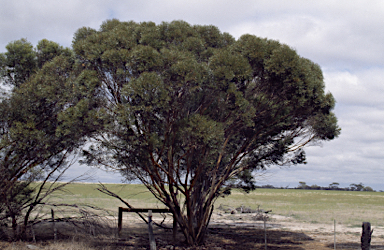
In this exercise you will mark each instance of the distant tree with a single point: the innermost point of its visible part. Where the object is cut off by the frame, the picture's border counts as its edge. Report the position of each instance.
(334, 186)
(368, 189)
(302, 185)
(315, 187)
(268, 186)
(195, 112)
(357, 187)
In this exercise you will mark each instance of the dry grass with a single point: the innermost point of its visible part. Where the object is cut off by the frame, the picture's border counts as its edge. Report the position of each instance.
(97, 229)
(137, 238)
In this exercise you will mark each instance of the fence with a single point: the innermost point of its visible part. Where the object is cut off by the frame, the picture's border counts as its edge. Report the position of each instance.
(144, 210)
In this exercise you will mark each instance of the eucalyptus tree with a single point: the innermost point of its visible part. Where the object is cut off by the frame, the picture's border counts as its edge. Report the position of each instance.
(194, 112)
(43, 120)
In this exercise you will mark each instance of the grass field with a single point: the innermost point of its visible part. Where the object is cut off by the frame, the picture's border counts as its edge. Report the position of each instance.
(316, 206)
(312, 206)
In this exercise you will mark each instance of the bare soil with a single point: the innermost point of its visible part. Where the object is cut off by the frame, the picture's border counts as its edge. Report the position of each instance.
(227, 231)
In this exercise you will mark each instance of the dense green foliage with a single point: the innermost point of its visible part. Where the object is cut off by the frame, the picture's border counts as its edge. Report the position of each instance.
(45, 117)
(21, 60)
(194, 111)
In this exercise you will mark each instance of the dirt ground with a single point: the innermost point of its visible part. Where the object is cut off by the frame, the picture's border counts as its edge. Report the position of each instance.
(287, 233)
(227, 231)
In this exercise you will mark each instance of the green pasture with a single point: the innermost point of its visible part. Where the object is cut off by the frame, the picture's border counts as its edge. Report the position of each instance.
(313, 206)
(87, 194)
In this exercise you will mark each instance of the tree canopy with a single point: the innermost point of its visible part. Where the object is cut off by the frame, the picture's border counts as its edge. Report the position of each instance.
(21, 60)
(189, 111)
(47, 115)
(192, 112)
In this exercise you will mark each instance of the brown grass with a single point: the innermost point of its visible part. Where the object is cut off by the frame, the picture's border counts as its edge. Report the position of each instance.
(136, 237)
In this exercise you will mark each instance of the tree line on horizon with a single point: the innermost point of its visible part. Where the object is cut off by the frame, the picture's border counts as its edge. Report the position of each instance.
(332, 186)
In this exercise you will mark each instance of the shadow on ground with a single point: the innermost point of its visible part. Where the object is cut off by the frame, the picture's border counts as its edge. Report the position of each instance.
(222, 238)
(135, 236)
(353, 246)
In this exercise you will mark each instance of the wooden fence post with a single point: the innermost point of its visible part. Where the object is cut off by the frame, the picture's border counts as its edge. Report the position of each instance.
(366, 236)
(142, 210)
(265, 233)
(119, 221)
(54, 226)
(334, 234)
(33, 234)
(152, 242)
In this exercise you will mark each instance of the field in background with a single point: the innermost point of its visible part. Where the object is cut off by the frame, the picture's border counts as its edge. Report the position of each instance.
(316, 206)
(79, 193)
(311, 206)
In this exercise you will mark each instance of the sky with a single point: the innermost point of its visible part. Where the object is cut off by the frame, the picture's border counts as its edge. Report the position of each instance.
(345, 37)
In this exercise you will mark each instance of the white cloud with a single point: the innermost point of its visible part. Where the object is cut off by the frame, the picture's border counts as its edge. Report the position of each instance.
(54, 20)
(357, 155)
(331, 42)
(342, 34)
(336, 33)
(364, 87)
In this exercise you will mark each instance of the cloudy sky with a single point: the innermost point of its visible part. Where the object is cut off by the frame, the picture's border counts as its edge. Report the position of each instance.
(345, 37)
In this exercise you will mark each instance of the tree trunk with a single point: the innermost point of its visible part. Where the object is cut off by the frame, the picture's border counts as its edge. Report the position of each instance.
(14, 227)
(366, 236)
(26, 220)
(194, 224)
